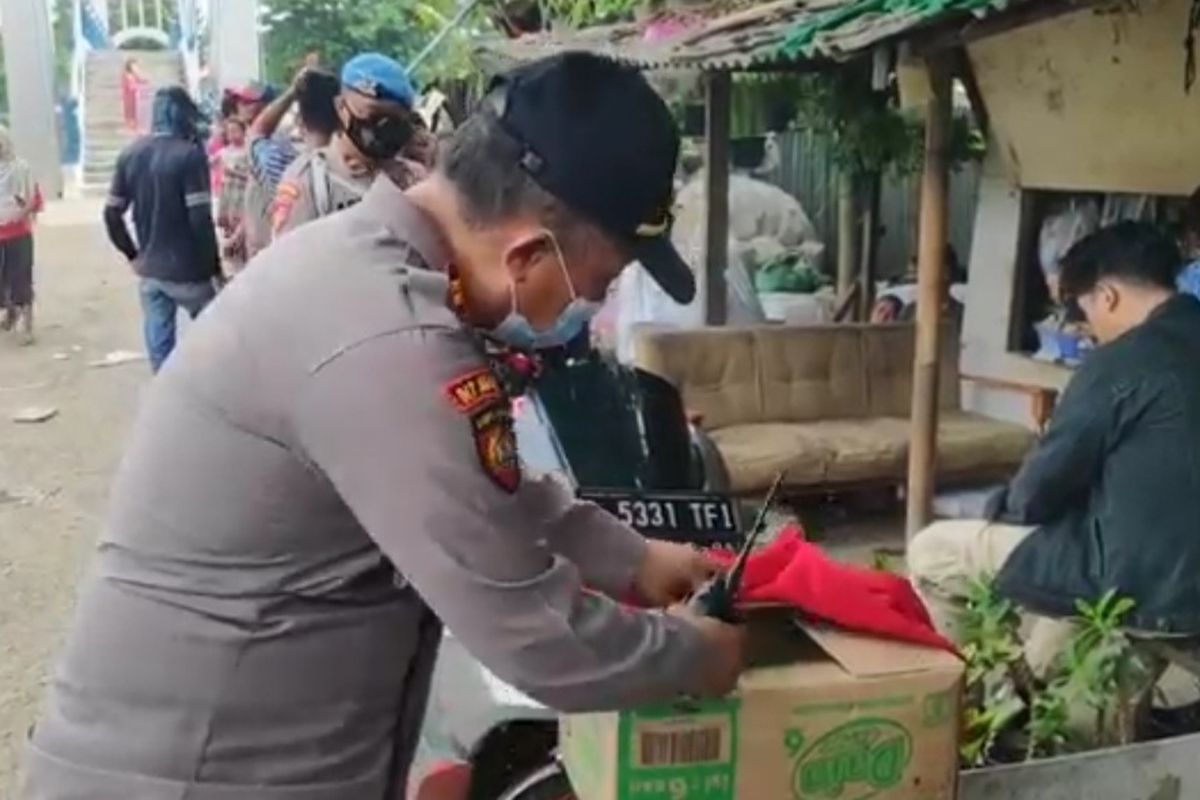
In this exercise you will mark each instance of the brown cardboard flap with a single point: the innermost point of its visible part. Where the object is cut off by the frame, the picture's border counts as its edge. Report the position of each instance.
(867, 656)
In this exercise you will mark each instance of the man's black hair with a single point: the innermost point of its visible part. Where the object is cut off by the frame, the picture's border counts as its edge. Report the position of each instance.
(175, 113)
(315, 101)
(1137, 253)
(229, 105)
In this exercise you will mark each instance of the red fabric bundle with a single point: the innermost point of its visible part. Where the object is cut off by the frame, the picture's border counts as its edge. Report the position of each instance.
(797, 573)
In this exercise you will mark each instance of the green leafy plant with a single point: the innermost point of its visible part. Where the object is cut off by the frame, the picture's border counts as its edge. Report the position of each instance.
(337, 29)
(580, 13)
(1049, 721)
(983, 725)
(998, 680)
(869, 134)
(1006, 704)
(1102, 669)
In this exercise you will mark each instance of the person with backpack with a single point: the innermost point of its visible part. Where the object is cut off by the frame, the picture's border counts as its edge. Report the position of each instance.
(271, 152)
(376, 123)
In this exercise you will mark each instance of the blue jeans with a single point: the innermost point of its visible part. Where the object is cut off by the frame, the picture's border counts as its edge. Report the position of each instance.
(160, 305)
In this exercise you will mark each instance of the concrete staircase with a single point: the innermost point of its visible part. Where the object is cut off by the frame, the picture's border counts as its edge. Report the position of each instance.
(105, 134)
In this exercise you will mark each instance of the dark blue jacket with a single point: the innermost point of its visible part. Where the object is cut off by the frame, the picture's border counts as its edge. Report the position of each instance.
(1114, 487)
(165, 179)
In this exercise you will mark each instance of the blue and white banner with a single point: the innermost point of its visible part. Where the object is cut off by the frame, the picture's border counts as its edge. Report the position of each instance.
(93, 24)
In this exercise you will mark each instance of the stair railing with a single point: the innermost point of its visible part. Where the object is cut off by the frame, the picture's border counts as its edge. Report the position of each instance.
(189, 26)
(90, 32)
(139, 19)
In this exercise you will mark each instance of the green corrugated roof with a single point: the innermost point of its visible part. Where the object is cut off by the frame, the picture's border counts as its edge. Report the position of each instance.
(864, 20)
(776, 33)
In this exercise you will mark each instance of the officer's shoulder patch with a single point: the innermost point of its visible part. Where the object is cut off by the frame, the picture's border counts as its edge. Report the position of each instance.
(475, 391)
(288, 190)
(496, 444)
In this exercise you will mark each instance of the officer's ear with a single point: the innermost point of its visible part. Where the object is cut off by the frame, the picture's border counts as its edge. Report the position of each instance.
(526, 250)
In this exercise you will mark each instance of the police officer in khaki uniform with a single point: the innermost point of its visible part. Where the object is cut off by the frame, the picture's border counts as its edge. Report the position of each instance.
(307, 497)
(375, 110)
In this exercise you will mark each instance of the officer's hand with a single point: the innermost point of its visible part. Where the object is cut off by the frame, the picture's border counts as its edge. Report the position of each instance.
(670, 572)
(725, 654)
(300, 77)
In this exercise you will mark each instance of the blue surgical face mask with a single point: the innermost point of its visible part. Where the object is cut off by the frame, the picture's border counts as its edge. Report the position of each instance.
(516, 331)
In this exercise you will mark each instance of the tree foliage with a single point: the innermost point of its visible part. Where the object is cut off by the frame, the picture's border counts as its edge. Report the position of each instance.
(337, 29)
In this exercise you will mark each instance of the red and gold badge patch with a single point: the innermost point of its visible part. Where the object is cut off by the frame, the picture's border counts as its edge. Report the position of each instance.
(475, 391)
(496, 444)
(286, 197)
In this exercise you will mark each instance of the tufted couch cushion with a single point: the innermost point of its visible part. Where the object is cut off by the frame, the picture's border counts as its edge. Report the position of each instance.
(829, 404)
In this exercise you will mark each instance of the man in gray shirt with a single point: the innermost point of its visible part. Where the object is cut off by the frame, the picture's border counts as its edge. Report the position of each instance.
(308, 496)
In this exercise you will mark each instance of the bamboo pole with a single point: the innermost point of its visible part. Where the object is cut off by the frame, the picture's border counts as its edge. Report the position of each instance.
(869, 250)
(931, 266)
(716, 162)
(847, 261)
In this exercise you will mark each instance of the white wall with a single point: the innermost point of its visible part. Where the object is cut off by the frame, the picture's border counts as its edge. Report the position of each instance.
(29, 63)
(1089, 101)
(1094, 100)
(236, 57)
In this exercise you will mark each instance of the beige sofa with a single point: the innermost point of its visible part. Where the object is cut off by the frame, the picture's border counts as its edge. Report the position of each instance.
(829, 404)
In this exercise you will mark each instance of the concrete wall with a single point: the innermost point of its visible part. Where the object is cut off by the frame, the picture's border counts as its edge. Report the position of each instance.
(236, 58)
(1095, 100)
(990, 294)
(29, 63)
(1091, 101)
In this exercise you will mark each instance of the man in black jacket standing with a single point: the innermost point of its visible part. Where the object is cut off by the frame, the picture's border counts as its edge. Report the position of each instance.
(165, 178)
(1110, 498)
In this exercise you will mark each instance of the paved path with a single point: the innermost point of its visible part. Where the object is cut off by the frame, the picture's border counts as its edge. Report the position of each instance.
(54, 476)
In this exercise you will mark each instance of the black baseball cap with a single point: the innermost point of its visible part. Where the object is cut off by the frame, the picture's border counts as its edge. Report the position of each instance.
(601, 140)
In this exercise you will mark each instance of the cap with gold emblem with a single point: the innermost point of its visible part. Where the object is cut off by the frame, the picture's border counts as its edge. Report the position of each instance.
(598, 137)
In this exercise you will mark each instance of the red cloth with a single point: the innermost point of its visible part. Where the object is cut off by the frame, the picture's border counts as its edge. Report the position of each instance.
(797, 573)
(23, 227)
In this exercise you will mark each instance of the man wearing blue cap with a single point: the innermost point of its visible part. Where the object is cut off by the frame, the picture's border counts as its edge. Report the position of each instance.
(376, 122)
(267, 628)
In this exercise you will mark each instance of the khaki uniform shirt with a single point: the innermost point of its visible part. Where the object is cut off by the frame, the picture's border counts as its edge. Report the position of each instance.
(315, 185)
(305, 496)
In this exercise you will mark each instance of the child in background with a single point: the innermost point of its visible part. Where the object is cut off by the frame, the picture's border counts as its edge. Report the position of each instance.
(234, 166)
(20, 203)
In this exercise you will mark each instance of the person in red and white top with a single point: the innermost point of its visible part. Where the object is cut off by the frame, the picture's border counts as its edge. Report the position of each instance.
(20, 203)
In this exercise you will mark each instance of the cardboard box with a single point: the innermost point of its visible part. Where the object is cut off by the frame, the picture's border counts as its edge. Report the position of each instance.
(821, 715)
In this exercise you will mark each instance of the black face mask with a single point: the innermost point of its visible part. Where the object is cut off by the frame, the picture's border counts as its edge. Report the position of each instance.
(379, 138)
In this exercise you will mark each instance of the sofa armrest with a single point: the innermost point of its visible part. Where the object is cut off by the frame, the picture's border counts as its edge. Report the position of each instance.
(1042, 399)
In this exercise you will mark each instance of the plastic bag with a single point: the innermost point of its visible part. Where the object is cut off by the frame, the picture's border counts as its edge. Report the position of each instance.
(1062, 230)
(1123, 207)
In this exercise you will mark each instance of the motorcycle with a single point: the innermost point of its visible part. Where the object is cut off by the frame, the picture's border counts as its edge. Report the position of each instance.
(622, 438)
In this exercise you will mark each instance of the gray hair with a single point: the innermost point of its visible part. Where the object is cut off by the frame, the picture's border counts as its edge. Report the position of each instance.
(482, 161)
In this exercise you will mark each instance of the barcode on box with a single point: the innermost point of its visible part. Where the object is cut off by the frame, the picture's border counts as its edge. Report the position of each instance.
(681, 747)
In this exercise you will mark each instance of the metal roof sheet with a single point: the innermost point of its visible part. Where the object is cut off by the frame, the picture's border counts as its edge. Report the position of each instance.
(782, 33)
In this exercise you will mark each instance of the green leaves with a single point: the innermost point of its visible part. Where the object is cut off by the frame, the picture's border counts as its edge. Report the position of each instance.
(1099, 671)
(868, 133)
(338, 29)
(996, 670)
(581, 13)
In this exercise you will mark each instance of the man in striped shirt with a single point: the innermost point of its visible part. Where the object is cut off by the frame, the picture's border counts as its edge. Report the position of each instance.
(312, 92)
(164, 178)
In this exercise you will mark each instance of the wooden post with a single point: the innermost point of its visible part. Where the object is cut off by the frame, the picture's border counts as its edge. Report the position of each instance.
(716, 162)
(870, 245)
(847, 259)
(931, 266)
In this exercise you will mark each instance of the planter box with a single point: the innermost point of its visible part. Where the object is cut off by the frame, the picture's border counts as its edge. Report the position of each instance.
(1168, 769)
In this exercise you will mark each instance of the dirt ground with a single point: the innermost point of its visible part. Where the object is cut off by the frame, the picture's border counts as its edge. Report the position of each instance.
(54, 475)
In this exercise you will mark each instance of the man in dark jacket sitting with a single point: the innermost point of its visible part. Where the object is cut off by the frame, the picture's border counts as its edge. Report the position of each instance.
(1110, 498)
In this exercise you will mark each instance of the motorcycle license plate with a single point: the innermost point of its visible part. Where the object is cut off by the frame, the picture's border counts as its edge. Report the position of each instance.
(704, 519)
